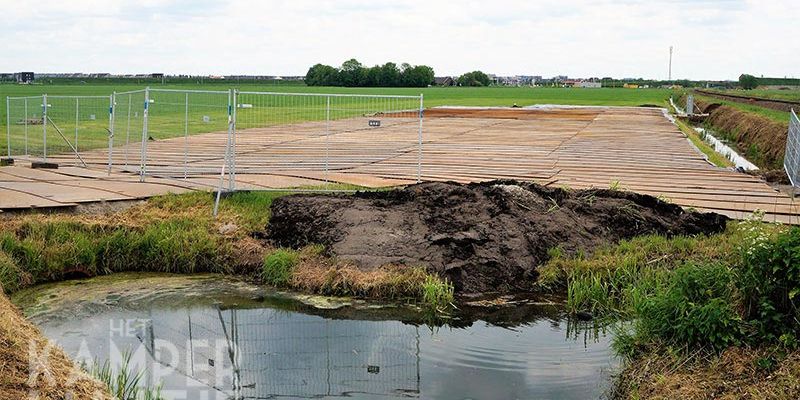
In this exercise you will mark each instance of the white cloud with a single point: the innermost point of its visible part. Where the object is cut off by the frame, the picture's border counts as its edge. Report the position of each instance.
(712, 39)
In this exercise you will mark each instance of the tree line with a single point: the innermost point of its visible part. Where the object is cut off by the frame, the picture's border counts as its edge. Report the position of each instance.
(354, 74)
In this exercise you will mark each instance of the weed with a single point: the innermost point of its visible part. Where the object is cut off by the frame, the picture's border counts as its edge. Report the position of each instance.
(124, 382)
(279, 266)
(437, 293)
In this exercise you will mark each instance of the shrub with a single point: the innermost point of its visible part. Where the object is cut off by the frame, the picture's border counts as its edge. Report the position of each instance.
(694, 309)
(770, 283)
(278, 267)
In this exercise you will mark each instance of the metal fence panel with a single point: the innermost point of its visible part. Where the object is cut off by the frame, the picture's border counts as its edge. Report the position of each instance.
(187, 132)
(791, 159)
(77, 130)
(127, 126)
(321, 136)
(24, 126)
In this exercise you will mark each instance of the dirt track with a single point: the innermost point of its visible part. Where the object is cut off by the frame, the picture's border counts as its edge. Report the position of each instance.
(484, 237)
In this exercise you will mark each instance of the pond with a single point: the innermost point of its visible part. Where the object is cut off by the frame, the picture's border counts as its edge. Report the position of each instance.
(209, 337)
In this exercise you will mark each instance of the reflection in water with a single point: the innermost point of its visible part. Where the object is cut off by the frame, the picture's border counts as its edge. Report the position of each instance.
(252, 353)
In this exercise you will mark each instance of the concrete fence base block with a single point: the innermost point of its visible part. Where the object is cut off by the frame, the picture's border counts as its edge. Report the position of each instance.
(43, 165)
(6, 161)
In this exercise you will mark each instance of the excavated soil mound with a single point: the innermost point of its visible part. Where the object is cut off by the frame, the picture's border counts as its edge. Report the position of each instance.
(485, 237)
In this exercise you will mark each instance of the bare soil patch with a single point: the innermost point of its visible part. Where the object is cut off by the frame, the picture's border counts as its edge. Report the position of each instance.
(484, 237)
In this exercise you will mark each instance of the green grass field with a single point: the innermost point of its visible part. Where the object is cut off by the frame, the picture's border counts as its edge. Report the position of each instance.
(793, 94)
(775, 115)
(169, 121)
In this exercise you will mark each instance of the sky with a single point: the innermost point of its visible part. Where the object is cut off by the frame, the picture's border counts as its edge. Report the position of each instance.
(712, 39)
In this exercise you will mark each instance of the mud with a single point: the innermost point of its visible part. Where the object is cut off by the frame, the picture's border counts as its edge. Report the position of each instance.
(486, 238)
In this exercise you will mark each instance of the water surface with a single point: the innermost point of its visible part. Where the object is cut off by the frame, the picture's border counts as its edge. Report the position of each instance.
(209, 337)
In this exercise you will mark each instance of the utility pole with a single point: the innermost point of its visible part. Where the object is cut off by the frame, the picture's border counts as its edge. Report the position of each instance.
(670, 64)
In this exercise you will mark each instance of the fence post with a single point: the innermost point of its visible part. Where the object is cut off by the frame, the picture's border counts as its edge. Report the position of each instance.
(8, 124)
(143, 163)
(232, 104)
(186, 136)
(26, 127)
(111, 117)
(44, 127)
(419, 139)
(77, 116)
(327, 133)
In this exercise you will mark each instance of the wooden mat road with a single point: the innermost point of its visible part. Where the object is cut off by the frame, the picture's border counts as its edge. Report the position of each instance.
(635, 149)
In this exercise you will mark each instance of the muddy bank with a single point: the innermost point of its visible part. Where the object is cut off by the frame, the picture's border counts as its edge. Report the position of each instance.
(487, 237)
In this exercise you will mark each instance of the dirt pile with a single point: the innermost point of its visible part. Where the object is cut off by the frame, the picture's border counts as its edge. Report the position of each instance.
(486, 237)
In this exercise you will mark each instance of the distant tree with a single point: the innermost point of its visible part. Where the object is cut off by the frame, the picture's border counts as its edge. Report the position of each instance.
(372, 76)
(322, 75)
(474, 78)
(416, 76)
(389, 75)
(352, 73)
(748, 82)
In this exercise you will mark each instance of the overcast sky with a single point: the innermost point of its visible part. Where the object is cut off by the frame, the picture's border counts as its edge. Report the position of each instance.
(713, 39)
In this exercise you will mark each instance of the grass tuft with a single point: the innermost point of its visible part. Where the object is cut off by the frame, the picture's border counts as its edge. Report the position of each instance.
(124, 382)
(279, 267)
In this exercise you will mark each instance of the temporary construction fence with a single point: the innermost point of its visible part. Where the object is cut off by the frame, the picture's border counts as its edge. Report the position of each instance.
(182, 134)
(61, 129)
(791, 159)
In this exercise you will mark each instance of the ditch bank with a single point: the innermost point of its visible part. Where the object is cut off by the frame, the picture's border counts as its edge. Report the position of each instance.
(758, 138)
(485, 237)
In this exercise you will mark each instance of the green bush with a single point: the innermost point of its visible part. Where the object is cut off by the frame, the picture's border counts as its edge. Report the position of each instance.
(694, 309)
(278, 267)
(770, 284)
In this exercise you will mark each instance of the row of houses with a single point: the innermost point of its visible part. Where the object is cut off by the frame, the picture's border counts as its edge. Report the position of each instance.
(19, 77)
(529, 80)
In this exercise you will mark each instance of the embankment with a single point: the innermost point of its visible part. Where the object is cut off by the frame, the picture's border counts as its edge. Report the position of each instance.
(760, 139)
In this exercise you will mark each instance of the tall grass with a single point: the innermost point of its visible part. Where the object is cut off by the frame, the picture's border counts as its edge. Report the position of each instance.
(124, 382)
(48, 250)
(279, 267)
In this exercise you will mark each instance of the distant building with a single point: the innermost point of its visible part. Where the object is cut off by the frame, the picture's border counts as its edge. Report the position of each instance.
(588, 84)
(444, 81)
(24, 77)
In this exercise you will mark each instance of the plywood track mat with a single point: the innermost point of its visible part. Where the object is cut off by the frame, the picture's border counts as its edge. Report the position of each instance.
(635, 149)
